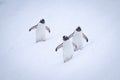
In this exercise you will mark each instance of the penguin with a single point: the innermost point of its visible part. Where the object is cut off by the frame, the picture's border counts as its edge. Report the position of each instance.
(40, 30)
(67, 46)
(79, 38)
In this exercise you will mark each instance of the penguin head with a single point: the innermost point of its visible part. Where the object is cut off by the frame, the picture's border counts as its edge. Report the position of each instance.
(65, 38)
(78, 29)
(42, 21)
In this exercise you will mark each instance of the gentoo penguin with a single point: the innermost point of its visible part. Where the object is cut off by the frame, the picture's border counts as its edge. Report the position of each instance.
(78, 37)
(67, 48)
(40, 30)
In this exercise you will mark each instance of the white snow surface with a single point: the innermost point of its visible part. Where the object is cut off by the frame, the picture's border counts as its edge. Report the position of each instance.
(22, 59)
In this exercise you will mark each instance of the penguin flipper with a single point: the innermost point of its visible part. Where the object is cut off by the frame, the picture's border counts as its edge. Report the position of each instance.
(75, 49)
(59, 46)
(71, 35)
(48, 29)
(85, 37)
(33, 27)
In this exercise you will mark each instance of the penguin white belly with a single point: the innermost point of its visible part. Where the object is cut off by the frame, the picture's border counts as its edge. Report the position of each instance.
(79, 41)
(67, 50)
(40, 34)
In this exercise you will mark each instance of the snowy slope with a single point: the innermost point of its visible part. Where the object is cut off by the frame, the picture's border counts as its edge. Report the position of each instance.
(22, 59)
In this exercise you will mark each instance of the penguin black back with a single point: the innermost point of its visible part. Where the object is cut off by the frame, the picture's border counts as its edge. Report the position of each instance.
(65, 38)
(42, 21)
(78, 29)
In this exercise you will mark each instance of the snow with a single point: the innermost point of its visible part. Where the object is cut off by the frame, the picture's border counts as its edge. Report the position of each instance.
(22, 59)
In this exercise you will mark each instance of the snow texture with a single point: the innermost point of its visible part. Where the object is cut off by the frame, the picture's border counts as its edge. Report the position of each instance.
(22, 59)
